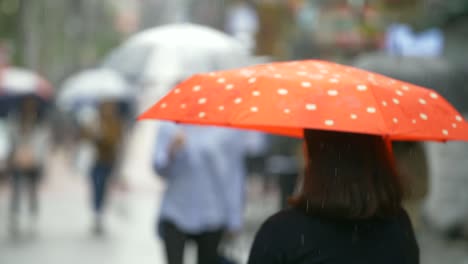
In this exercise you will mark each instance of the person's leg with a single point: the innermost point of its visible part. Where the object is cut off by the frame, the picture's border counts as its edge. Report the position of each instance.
(208, 243)
(97, 185)
(32, 177)
(15, 198)
(174, 241)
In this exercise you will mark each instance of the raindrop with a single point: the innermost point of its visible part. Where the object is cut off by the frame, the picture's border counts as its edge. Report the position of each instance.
(306, 84)
(252, 80)
(221, 80)
(458, 118)
(399, 93)
(254, 109)
(353, 116)
(395, 101)
(445, 132)
(229, 86)
(404, 87)
(196, 88)
(238, 100)
(433, 95)
(201, 114)
(256, 93)
(423, 116)
(422, 101)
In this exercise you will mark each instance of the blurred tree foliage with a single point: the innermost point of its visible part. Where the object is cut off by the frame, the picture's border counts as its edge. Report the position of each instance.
(57, 37)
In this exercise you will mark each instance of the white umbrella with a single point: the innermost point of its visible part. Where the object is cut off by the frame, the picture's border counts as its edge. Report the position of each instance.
(176, 51)
(91, 86)
(16, 81)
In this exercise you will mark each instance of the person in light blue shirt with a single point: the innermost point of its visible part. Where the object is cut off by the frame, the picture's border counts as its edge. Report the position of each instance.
(204, 170)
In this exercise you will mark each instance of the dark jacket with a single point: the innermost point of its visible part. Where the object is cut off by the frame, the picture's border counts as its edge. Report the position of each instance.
(292, 237)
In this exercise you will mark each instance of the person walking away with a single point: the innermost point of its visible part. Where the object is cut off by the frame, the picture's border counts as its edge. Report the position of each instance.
(106, 137)
(349, 209)
(29, 150)
(204, 171)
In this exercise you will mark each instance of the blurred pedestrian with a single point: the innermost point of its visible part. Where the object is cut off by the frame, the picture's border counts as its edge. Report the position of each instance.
(203, 167)
(283, 164)
(348, 210)
(106, 137)
(242, 22)
(29, 141)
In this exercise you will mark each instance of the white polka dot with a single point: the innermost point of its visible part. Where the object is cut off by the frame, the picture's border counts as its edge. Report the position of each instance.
(254, 109)
(287, 111)
(405, 88)
(252, 80)
(196, 88)
(282, 91)
(316, 76)
(361, 87)
(229, 86)
(395, 120)
(301, 73)
(333, 80)
(238, 100)
(395, 101)
(371, 110)
(202, 100)
(458, 118)
(212, 74)
(201, 114)
(399, 93)
(329, 122)
(413, 121)
(271, 68)
(221, 108)
(311, 107)
(353, 116)
(445, 132)
(163, 105)
(423, 116)
(177, 91)
(221, 80)
(332, 92)
(183, 106)
(306, 84)
(384, 103)
(256, 93)
(422, 101)
(454, 125)
(336, 75)
(278, 76)
(324, 71)
(433, 95)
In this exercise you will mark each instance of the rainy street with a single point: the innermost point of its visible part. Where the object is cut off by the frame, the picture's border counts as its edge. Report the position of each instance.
(233, 131)
(64, 233)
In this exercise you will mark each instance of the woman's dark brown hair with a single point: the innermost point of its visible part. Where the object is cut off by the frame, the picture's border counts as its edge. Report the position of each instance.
(348, 176)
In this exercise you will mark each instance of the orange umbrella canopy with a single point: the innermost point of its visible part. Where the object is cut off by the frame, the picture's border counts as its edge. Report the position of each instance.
(286, 97)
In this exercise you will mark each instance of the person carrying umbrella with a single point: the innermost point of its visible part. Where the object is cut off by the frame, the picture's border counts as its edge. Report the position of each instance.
(349, 207)
(106, 137)
(29, 144)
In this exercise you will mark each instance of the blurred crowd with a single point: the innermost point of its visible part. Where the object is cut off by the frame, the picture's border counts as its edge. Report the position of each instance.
(90, 112)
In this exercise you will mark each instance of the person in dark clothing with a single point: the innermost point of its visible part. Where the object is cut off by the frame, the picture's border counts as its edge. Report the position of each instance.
(348, 211)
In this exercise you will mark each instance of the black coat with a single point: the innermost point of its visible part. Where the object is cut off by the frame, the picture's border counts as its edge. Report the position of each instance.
(292, 237)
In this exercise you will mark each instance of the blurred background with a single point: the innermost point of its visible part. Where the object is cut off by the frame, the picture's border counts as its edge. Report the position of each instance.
(73, 72)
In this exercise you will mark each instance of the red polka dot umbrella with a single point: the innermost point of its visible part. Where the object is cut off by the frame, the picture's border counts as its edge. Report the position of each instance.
(286, 97)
